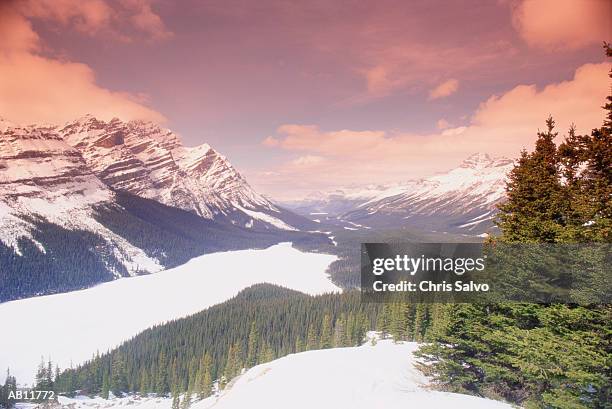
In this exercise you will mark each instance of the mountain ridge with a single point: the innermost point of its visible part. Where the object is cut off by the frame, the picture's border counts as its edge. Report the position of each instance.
(462, 200)
(147, 160)
(69, 218)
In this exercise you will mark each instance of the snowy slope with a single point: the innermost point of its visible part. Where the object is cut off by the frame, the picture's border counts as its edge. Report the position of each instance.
(43, 178)
(78, 323)
(150, 161)
(365, 377)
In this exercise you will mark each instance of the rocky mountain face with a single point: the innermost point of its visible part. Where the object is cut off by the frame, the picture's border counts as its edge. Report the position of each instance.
(462, 200)
(149, 161)
(42, 177)
(93, 201)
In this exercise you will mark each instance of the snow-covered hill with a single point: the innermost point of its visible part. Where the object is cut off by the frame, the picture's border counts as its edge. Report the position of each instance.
(462, 200)
(365, 377)
(77, 323)
(150, 161)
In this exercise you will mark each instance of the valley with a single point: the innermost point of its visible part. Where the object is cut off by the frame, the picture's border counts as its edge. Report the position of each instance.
(96, 201)
(68, 328)
(462, 200)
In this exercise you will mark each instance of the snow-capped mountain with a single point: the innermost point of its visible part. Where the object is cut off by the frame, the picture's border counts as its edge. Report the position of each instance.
(462, 200)
(95, 201)
(43, 178)
(149, 161)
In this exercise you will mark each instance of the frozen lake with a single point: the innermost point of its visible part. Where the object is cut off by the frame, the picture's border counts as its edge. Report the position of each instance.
(70, 327)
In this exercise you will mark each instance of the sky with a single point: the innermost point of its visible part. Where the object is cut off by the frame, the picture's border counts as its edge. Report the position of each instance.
(312, 96)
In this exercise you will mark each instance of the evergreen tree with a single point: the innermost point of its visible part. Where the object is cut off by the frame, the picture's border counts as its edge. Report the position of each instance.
(398, 323)
(420, 322)
(6, 390)
(384, 320)
(326, 332)
(144, 383)
(252, 346)
(161, 380)
(175, 397)
(118, 381)
(340, 338)
(362, 325)
(105, 386)
(533, 209)
(267, 354)
(68, 380)
(49, 376)
(312, 341)
(299, 345)
(234, 361)
(204, 377)
(193, 373)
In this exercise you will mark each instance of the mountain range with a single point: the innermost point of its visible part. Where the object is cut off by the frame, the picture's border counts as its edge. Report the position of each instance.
(93, 201)
(462, 200)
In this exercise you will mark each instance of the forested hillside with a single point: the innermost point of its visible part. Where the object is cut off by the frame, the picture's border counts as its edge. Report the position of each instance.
(540, 356)
(65, 259)
(262, 323)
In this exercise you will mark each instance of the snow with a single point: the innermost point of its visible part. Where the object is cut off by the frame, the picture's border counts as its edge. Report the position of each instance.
(72, 211)
(71, 326)
(266, 218)
(159, 167)
(477, 184)
(471, 223)
(53, 182)
(135, 402)
(370, 376)
(380, 376)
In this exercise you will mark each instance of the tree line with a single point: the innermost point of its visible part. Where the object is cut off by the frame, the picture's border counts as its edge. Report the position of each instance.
(196, 355)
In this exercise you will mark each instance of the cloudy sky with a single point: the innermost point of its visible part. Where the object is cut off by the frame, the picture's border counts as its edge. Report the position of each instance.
(311, 95)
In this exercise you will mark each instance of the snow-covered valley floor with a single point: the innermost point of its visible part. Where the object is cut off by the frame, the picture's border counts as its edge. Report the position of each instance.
(70, 327)
(366, 377)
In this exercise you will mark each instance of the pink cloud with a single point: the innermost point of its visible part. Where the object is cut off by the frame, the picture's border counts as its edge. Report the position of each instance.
(310, 138)
(121, 18)
(444, 89)
(144, 18)
(404, 64)
(35, 88)
(85, 16)
(16, 33)
(502, 125)
(557, 24)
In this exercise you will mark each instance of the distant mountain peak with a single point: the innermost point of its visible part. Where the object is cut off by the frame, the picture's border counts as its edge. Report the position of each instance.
(481, 160)
(460, 200)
